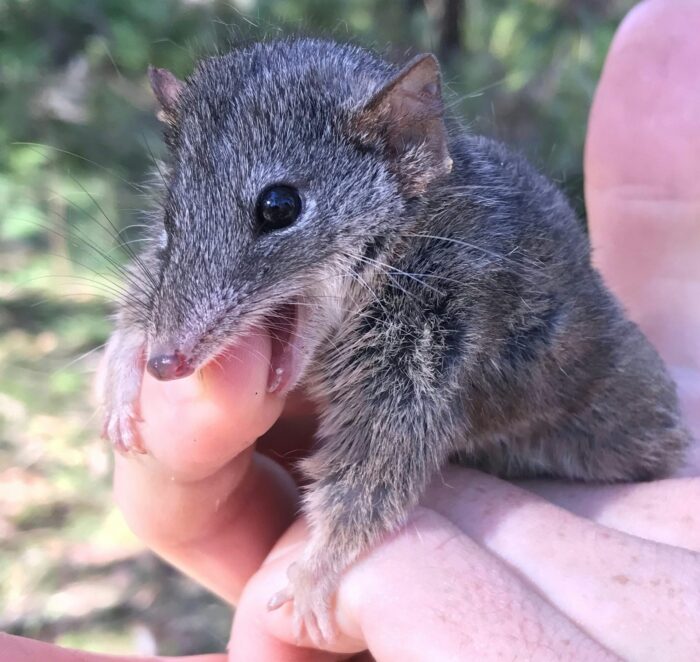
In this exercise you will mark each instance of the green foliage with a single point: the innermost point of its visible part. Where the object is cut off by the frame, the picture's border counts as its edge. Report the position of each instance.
(78, 139)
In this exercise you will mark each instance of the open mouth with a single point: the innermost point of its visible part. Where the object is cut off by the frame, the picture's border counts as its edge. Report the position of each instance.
(286, 355)
(287, 348)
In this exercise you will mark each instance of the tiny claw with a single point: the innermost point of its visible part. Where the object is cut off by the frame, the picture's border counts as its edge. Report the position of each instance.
(278, 599)
(120, 428)
(121, 449)
(139, 449)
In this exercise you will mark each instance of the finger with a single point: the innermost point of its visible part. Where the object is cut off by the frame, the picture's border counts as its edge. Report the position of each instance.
(638, 598)
(201, 498)
(427, 593)
(218, 530)
(642, 162)
(642, 189)
(194, 426)
(663, 511)
(19, 649)
(267, 636)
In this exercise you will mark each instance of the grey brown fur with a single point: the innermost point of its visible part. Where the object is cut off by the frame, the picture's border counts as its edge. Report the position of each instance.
(447, 301)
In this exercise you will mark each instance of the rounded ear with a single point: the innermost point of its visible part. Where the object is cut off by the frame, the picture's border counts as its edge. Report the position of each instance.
(167, 90)
(408, 114)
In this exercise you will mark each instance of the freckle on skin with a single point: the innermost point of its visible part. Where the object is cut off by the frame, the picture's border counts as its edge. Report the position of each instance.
(621, 579)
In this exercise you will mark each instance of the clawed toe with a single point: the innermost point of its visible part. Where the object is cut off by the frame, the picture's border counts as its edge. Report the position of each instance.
(312, 614)
(280, 598)
(120, 429)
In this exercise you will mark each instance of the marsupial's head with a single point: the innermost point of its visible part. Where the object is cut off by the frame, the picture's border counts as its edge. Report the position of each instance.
(291, 164)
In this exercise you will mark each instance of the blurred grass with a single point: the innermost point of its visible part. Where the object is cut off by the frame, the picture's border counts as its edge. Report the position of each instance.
(77, 143)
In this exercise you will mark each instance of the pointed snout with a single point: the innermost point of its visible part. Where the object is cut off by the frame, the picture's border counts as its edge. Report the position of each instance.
(166, 366)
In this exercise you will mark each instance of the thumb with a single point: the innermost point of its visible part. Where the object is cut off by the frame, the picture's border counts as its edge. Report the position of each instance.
(642, 187)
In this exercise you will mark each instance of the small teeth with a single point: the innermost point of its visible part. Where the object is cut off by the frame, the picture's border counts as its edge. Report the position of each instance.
(274, 384)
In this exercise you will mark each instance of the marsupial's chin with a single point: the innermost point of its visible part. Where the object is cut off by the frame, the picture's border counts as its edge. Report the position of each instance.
(286, 348)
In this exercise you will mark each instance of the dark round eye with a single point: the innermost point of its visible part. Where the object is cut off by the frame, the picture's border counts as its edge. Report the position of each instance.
(278, 207)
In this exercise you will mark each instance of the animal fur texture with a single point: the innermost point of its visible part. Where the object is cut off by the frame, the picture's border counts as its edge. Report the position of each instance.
(444, 301)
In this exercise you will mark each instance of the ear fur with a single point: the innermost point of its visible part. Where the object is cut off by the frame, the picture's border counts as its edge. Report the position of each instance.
(408, 114)
(167, 90)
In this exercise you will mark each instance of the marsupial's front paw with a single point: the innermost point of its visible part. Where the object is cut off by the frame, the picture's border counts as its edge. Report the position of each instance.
(312, 591)
(119, 427)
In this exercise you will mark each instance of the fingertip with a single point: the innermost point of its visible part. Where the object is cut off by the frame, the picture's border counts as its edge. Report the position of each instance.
(198, 423)
(647, 100)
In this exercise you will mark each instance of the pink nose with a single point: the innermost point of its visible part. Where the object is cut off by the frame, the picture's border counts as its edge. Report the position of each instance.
(170, 366)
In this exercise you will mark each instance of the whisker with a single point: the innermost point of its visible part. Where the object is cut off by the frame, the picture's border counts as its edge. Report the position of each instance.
(78, 359)
(146, 272)
(131, 185)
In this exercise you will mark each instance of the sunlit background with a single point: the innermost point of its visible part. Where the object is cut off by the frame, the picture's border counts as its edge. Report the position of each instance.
(78, 139)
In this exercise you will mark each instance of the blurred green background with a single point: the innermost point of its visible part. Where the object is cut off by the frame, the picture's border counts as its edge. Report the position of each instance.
(78, 139)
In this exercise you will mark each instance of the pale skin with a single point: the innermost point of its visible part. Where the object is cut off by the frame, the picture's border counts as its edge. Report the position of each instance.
(485, 569)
